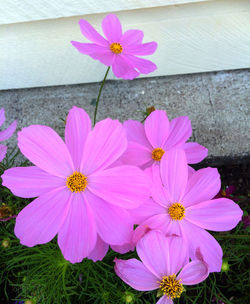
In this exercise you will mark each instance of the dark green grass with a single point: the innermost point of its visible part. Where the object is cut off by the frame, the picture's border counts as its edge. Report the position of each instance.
(42, 275)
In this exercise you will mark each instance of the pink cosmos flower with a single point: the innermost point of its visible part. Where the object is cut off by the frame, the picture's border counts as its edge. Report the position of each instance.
(184, 206)
(5, 134)
(119, 50)
(147, 143)
(79, 197)
(164, 267)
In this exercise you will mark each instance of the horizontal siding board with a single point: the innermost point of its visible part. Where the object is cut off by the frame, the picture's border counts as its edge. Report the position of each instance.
(195, 38)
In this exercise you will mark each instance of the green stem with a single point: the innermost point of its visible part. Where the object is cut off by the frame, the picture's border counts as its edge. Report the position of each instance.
(63, 279)
(229, 236)
(99, 94)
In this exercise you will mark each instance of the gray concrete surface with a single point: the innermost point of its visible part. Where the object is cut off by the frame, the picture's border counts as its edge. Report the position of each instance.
(218, 105)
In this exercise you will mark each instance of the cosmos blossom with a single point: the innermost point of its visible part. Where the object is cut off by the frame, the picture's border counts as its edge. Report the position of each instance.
(119, 50)
(184, 206)
(5, 134)
(147, 143)
(78, 196)
(164, 266)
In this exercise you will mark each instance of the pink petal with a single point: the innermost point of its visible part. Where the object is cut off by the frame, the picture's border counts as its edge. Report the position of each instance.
(40, 221)
(153, 250)
(136, 133)
(131, 37)
(200, 238)
(179, 133)
(178, 253)
(136, 155)
(195, 153)
(2, 116)
(203, 185)
(141, 49)
(218, 215)
(103, 146)
(174, 173)
(193, 273)
(191, 171)
(77, 237)
(30, 181)
(78, 126)
(3, 150)
(146, 210)
(123, 248)
(165, 300)
(113, 224)
(122, 68)
(95, 51)
(125, 186)
(91, 34)
(157, 128)
(7, 133)
(136, 275)
(45, 148)
(99, 251)
(112, 28)
(144, 66)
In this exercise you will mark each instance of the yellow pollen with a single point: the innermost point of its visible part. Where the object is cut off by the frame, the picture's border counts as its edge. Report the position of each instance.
(171, 287)
(223, 193)
(157, 154)
(176, 211)
(116, 48)
(76, 182)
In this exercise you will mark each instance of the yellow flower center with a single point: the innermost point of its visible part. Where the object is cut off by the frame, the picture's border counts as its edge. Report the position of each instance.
(157, 154)
(171, 287)
(223, 193)
(76, 182)
(116, 48)
(176, 211)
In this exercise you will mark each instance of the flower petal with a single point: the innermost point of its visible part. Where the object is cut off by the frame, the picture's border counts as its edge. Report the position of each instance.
(178, 253)
(156, 128)
(136, 133)
(91, 34)
(45, 148)
(122, 68)
(40, 221)
(113, 224)
(203, 185)
(174, 173)
(153, 250)
(78, 126)
(100, 250)
(123, 248)
(95, 51)
(193, 273)
(179, 133)
(103, 146)
(200, 238)
(165, 300)
(195, 153)
(7, 133)
(135, 274)
(77, 237)
(141, 49)
(3, 150)
(124, 186)
(131, 37)
(144, 66)
(30, 181)
(112, 28)
(2, 116)
(218, 215)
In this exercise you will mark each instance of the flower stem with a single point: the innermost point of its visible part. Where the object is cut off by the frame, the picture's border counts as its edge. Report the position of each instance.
(230, 236)
(99, 94)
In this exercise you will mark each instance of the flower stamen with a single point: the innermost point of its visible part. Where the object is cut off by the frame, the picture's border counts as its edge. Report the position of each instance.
(116, 48)
(176, 211)
(76, 182)
(157, 154)
(171, 287)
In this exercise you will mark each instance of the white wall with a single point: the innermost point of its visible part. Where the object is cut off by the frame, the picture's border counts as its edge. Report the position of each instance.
(35, 47)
